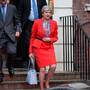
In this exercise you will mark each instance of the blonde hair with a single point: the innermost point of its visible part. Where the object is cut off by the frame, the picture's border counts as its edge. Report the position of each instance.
(46, 8)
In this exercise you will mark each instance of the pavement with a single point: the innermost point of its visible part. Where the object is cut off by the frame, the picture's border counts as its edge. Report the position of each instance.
(85, 85)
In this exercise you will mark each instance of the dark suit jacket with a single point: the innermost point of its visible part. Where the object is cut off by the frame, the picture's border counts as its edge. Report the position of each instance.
(11, 23)
(25, 7)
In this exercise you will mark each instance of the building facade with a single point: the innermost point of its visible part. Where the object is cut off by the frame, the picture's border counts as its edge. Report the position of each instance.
(81, 8)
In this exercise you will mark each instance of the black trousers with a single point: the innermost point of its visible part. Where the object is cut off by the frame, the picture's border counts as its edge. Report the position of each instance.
(25, 37)
(1, 61)
(8, 48)
(10, 60)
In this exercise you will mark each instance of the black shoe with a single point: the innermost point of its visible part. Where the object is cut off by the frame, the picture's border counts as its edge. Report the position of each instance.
(1, 77)
(11, 71)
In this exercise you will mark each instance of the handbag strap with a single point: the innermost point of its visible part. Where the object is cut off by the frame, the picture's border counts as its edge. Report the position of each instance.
(28, 65)
(31, 63)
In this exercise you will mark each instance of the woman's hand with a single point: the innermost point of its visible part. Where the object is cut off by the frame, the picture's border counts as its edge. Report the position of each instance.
(17, 34)
(46, 39)
(31, 55)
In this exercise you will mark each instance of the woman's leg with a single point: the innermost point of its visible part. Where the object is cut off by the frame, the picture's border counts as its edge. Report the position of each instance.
(41, 78)
(50, 74)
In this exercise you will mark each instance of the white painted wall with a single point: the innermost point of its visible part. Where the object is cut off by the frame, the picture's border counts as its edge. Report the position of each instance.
(61, 8)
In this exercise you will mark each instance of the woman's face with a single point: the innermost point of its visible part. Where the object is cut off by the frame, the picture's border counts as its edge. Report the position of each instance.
(47, 14)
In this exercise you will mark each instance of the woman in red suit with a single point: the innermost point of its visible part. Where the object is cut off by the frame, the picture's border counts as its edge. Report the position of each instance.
(44, 34)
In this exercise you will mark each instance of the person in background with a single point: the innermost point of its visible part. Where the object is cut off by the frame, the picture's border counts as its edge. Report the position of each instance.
(10, 29)
(44, 34)
(29, 10)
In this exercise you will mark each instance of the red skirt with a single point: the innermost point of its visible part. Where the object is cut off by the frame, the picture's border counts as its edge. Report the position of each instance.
(44, 57)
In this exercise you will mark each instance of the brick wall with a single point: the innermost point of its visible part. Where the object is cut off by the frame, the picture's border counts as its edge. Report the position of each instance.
(78, 9)
(84, 16)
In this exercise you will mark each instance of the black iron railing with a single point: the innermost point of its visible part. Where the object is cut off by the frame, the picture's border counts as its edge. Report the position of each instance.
(76, 47)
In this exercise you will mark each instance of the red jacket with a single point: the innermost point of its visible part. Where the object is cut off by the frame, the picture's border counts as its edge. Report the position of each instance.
(38, 33)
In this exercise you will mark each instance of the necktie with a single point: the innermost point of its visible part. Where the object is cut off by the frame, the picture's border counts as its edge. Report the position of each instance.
(35, 10)
(3, 12)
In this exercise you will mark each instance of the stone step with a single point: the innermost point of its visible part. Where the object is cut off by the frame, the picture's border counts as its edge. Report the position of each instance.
(20, 75)
(18, 82)
(22, 85)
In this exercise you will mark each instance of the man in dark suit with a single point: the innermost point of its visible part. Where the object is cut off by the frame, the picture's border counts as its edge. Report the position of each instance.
(26, 11)
(10, 29)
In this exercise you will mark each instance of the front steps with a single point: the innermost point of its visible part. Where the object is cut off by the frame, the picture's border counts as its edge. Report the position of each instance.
(18, 81)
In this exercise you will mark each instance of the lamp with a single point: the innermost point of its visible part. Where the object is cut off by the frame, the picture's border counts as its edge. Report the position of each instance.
(87, 7)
